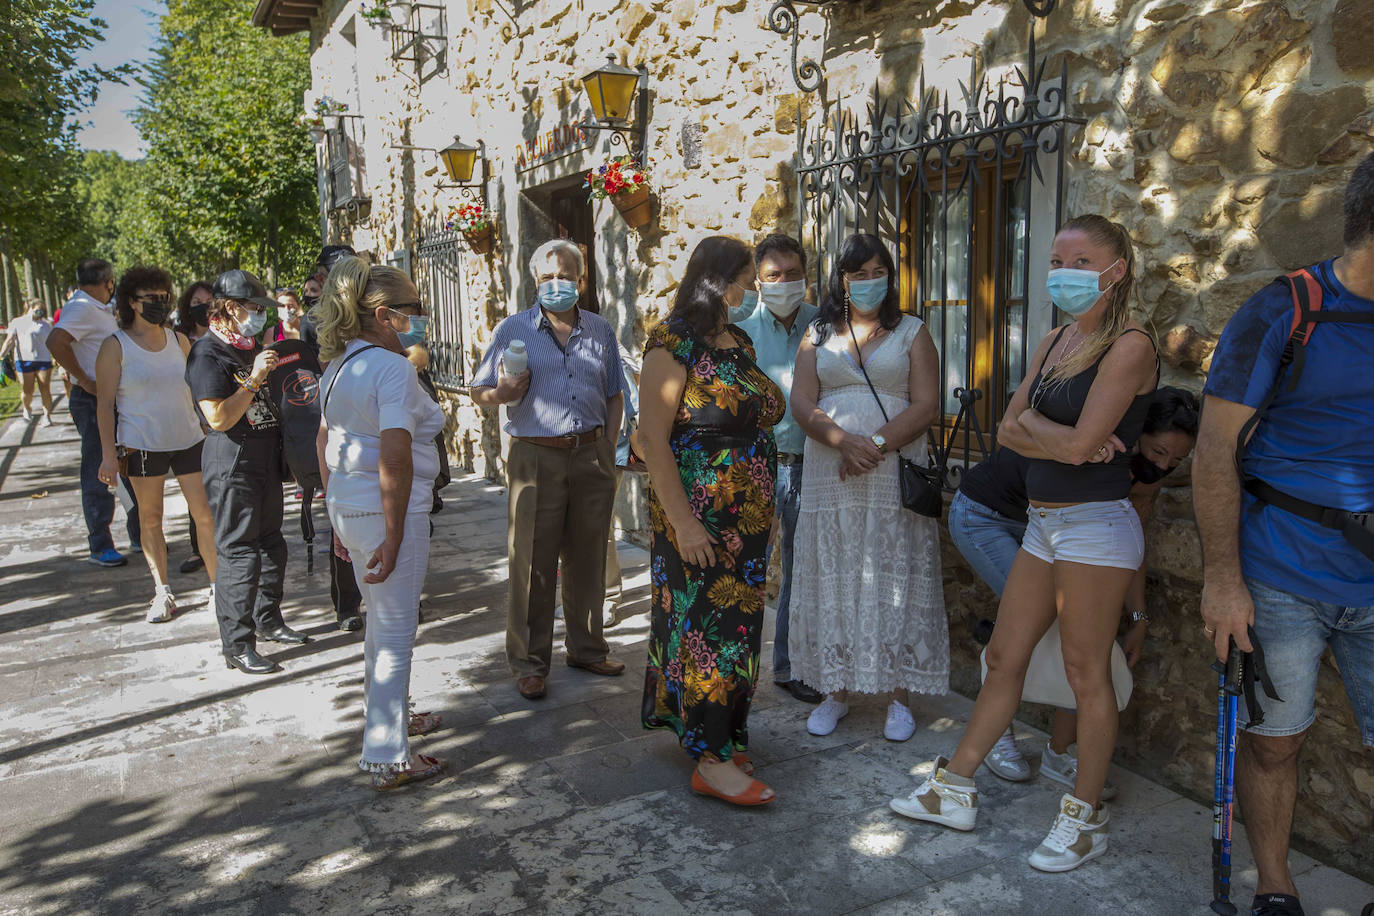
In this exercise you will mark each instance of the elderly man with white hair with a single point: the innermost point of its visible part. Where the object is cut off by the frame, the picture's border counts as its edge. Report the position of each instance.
(562, 414)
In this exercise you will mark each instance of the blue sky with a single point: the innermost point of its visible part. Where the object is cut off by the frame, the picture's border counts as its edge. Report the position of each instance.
(129, 38)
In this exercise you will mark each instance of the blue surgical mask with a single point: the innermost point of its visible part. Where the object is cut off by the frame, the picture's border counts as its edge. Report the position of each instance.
(254, 325)
(557, 295)
(1075, 291)
(419, 329)
(746, 306)
(867, 295)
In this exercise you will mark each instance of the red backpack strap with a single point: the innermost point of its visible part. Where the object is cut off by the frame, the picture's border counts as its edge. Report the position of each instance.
(1307, 298)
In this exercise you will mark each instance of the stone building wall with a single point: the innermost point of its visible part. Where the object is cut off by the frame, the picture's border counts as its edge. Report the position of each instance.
(1219, 133)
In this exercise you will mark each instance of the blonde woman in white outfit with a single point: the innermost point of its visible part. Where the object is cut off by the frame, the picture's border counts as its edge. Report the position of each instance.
(379, 460)
(141, 378)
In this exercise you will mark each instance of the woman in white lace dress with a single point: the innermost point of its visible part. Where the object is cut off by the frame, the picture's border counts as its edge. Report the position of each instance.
(868, 610)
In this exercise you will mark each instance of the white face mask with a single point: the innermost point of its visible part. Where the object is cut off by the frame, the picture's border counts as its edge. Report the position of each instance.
(782, 299)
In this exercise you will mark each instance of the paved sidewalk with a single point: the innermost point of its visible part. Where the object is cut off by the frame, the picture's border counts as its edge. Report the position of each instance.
(137, 774)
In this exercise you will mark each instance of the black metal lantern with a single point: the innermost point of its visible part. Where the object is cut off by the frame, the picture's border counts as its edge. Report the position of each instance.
(460, 160)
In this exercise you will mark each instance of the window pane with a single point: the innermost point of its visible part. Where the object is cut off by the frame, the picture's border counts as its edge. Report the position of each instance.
(947, 254)
(1017, 225)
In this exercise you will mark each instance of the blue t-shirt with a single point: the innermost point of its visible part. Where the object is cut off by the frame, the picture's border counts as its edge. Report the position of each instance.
(1315, 443)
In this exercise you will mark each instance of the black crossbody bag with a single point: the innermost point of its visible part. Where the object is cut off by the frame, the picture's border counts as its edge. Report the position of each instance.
(921, 487)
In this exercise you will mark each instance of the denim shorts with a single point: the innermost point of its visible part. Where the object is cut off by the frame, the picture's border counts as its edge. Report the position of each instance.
(986, 538)
(1294, 633)
(1096, 534)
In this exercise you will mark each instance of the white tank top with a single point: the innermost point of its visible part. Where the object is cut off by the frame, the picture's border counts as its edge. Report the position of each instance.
(153, 402)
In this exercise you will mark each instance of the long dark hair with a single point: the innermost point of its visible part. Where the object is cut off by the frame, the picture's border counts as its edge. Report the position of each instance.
(700, 299)
(857, 250)
(185, 323)
(1172, 410)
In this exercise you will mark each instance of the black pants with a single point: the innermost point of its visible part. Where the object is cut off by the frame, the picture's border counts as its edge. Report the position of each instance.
(343, 588)
(243, 481)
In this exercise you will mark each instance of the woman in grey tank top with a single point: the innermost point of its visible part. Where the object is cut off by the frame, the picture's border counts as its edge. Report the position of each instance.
(1076, 418)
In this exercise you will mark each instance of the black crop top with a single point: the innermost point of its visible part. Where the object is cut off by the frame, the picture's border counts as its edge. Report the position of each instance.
(1062, 402)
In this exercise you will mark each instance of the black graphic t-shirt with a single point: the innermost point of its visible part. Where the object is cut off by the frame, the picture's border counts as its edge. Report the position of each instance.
(215, 370)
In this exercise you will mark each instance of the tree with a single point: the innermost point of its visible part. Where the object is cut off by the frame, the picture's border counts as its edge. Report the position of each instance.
(230, 172)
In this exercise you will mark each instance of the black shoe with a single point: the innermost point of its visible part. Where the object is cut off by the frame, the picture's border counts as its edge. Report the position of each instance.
(191, 564)
(284, 634)
(982, 632)
(1275, 905)
(351, 623)
(250, 662)
(801, 692)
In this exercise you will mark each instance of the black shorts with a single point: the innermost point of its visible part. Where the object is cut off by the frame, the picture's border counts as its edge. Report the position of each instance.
(157, 464)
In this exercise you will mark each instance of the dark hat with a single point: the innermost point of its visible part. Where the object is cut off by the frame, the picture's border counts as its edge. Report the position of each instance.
(243, 286)
(332, 254)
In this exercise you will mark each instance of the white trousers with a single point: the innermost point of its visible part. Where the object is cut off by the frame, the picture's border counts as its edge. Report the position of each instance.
(393, 612)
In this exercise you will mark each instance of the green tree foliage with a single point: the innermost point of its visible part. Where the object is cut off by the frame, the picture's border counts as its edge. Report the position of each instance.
(108, 186)
(42, 95)
(229, 178)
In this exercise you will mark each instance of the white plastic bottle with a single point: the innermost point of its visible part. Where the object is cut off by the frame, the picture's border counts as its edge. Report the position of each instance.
(515, 361)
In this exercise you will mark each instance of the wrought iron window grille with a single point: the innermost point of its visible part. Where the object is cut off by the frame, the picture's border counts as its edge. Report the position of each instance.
(424, 44)
(439, 279)
(345, 169)
(954, 186)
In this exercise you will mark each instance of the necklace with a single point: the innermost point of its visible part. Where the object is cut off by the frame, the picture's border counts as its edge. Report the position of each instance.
(1039, 393)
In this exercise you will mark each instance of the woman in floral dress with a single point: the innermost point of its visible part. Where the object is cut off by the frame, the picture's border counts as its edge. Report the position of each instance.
(706, 418)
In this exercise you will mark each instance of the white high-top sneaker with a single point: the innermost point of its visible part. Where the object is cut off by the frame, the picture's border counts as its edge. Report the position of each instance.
(1079, 834)
(938, 801)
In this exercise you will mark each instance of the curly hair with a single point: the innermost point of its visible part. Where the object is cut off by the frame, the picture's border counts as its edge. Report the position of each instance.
(133, 280)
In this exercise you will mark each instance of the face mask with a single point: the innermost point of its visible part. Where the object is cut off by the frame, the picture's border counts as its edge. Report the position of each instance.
(288, 314)
(200, 314)
(782, 299)
(746, 306)
(310, 301)
(254, 325)
(1146, 471)
(419, 329)
(1076, 291)
(557, 295)
(867, 295)
(155, 312)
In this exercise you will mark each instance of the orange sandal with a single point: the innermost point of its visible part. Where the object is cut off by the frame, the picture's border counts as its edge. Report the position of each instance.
(746, 766)
(750, 797)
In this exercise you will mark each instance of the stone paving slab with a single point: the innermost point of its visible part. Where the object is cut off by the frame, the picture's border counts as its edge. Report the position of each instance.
(138, 775)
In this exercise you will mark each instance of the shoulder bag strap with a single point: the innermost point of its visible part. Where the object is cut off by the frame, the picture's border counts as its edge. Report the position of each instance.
(860, 360)
(324, 404)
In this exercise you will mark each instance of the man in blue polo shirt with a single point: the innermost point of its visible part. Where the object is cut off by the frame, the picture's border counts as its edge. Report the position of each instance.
(776, 329)
(563, 416)
(1303, 586)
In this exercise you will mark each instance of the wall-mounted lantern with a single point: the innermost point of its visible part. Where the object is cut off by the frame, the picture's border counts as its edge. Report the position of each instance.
(459, 160)
(614, 91)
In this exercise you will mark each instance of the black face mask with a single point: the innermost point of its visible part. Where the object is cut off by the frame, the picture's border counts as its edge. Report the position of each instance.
(310, 302)
(1145, 471)
(200, 314)
(156, 312)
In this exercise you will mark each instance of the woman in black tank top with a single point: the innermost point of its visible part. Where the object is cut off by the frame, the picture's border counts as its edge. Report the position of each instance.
(1077, 419)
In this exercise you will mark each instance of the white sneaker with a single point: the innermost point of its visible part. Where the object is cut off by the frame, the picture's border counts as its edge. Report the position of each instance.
(1005, 760)
(900, 725)
(1063, 769)
(28, 414)
(826, 716)
(1078, 835)
(937, 801)
(47, 419)
(164, 606)
(609, 610)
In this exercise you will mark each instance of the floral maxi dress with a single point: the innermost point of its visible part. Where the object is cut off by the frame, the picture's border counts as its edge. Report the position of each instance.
(706, 623)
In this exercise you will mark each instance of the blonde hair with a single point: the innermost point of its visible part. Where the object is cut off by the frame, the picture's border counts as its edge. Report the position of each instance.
(1115, 237)
(348, 305)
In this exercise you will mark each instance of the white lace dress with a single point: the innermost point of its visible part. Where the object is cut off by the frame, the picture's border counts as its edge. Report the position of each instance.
(868, 608)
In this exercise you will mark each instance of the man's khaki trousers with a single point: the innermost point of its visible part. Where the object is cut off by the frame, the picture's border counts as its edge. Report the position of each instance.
(560, 507)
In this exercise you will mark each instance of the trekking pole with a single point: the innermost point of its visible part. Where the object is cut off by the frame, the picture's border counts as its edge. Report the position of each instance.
(1224, 787)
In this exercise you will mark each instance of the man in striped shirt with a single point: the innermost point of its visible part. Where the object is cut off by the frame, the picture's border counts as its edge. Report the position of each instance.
(562, 414)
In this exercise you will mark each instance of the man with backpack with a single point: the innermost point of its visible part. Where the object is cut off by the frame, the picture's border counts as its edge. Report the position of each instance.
(1283, 488)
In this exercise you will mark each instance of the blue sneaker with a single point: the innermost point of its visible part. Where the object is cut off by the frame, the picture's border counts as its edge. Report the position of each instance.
(109, 557)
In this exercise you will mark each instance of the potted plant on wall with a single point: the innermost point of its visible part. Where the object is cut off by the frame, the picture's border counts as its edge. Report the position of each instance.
(383, 13)
(626, 182)
(477, 224)
(313, 120)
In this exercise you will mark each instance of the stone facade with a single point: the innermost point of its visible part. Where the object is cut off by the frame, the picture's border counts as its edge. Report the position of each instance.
(1221, 134)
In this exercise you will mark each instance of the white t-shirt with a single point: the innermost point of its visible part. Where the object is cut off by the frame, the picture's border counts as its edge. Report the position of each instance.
(373, 391)
(89, 323)
(31, 338)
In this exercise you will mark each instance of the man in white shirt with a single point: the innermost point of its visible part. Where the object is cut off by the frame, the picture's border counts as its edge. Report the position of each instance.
(87, 319)
(28, 336)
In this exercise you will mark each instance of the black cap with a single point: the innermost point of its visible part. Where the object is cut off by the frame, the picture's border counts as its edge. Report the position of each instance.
(332, 254)
(243, 286)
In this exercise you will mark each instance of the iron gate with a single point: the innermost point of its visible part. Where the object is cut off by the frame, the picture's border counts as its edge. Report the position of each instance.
(952, 188)
(438, 278)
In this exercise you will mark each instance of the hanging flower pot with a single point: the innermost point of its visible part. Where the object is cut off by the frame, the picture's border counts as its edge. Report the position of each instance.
(480, 240)
(626, 182)
(633, 206)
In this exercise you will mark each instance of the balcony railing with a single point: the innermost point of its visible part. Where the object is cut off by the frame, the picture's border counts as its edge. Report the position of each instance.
(346, 171)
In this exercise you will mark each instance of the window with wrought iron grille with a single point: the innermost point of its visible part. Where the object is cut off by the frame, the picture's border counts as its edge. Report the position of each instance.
(438, 277)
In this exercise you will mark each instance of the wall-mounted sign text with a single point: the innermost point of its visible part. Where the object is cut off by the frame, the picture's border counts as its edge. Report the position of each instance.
(547, 145)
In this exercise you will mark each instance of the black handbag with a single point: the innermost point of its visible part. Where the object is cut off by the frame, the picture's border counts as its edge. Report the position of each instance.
(921, 487)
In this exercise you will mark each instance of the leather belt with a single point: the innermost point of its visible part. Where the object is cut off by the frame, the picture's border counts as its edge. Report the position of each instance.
(572, 440)
(789, 458)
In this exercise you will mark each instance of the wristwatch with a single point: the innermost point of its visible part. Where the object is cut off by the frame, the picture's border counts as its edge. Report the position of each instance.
(1139, 617)
(880, 442)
